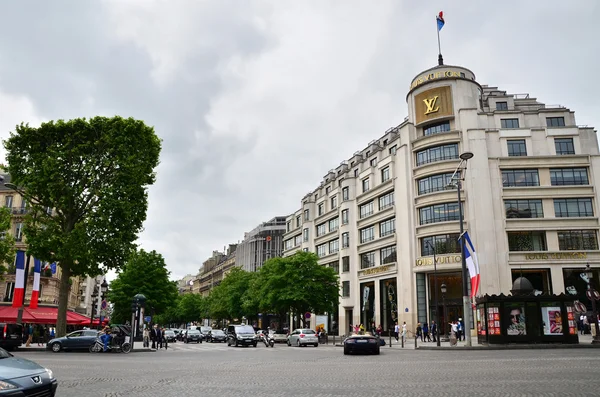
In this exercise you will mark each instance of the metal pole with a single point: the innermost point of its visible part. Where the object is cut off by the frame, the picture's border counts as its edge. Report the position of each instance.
(444, 315)
(22, 306)
(440, 59)
(465, 285)
(131, 338)
(435, 294)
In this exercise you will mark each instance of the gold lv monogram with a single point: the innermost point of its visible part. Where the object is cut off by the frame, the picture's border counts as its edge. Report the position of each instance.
(431, 105)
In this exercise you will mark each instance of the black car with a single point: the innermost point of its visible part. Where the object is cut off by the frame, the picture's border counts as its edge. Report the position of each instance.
(77, 340)
(21, 377)
(365, 343)
(170, 336)
(11, 336)
(241, 335)
(216, 335)
(192, 335)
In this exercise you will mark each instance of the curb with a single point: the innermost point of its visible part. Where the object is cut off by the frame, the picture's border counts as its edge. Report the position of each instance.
(512, 347)
(43, 349)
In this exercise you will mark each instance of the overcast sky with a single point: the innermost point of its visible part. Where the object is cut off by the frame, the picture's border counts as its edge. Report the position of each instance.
(256, 100)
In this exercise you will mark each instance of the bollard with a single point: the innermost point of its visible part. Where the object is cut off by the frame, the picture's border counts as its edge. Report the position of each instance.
(390, 339)
(402, 338)
(334, 339)
(415, 341)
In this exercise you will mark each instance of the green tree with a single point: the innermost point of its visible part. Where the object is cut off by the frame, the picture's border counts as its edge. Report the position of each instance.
(230, 298)
(7, 242)
(94, 174)
(296, 284)
(192, 307)
(144, 273)
(170, 315)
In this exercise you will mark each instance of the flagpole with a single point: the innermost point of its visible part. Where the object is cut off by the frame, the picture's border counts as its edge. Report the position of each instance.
(440, 58)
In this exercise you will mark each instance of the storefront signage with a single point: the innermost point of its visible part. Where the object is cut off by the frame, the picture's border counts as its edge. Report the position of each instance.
(446, 74)
(376, 270)
(444, 259)
(433, 104)
(557, 255)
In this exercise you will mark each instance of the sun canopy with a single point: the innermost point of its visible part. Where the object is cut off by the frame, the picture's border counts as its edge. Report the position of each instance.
(41, 315)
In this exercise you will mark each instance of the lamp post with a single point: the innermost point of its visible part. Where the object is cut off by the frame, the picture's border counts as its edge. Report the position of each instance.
(455, 180)
(592, 294)
(435, 292)
(100, 293)
(443, 289)
(138, 302)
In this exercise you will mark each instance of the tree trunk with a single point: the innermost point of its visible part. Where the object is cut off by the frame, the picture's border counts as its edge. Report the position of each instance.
(63, 299)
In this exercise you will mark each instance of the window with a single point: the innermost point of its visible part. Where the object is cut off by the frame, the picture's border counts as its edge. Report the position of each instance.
(577, 240)
(501, 105)
(306, 215)
(345, 219)
(289, 244)
(320, 209)
(367, 234)
(365, 185)
(439, 213)
(393, 150)
(334, 246)
(564, 146)
(368, 153)
(517, 147)
(433, 129)
(568, 176)
(305, 234)
(19, 232)
(321, 229)
(346, 194)
(335, 266)
(523, 209)
(305, 249)
(387, 255)
(367, 260)
(527, 241)
(555, 121)
(356, 173)
(366, 209)
(539, 278)
(298, 221)
(509, 123)
(333, 202)
(345, 240)
(345, 263)
(327, 189)
(435, 183)
(437, 153)
(8, 201)
(443, 244)
(288, 226)
(322, 250)
(345, 289)
(10, 290)
(387, 200)
(387, 227)
(373, 162)
(385, 174)
(334, 224)
(573, 207)
(297, 240)
(513, 178)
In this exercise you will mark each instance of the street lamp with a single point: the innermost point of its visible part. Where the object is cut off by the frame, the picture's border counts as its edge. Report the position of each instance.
(443, 289)
(99, 292)
(593, 296)
(435, 294)
(455, 180)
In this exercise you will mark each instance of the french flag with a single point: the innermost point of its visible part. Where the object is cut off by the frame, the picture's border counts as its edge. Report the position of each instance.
(35, 293)
(18, 295)
(440, 20)
(472, 264)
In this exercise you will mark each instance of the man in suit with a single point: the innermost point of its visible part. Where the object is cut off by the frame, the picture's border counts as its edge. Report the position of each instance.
(153, 336)
(159, 337)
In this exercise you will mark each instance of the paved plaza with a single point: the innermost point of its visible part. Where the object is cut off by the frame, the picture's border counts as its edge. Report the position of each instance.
(217, 370)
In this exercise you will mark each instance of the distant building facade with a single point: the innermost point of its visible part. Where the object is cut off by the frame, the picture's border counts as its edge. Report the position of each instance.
(262, 243)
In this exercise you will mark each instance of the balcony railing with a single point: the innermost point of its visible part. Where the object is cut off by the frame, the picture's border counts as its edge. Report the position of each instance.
(19, 210)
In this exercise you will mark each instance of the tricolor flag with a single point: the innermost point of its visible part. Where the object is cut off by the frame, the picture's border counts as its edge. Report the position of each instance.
(19, 280)
(440, 20)
(35, 293)
(472, 263)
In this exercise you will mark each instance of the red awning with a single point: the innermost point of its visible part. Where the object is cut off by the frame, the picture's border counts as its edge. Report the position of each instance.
(41, 315)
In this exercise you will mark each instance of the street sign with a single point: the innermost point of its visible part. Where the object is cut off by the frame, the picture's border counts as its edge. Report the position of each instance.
(147, 319)
(103, 304)
(307, 315)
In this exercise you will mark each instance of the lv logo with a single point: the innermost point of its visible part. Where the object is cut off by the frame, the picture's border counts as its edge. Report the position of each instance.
(430, 103)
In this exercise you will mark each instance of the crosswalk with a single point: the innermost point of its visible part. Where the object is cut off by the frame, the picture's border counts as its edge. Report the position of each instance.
(279, 347)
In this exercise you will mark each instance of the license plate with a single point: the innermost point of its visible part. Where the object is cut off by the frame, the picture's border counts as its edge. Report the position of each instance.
(13, 336)
(362, 341)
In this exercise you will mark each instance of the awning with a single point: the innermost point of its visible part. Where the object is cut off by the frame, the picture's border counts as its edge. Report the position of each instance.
(41, 315)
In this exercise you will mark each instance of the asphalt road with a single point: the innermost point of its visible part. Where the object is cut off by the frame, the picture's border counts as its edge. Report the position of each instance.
(218, 370)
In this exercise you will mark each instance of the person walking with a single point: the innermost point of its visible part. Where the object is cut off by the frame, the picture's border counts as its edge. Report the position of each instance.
(419, 331)
(459, 329)
(29, 335)
(146, 335)
(426, 332)
(164, 338)
(404, 331)
(159, 338)
(396, 331)
(153, 336)
(434, 330)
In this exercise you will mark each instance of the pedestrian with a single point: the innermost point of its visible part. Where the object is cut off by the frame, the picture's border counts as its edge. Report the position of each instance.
(164, 338)
(153, 336)
(426, 332)
(434, 330)
(396, 331)
(159, 338)
(404, 331)
(420, 331)
(379, 330)
(459, 329)
(453, 333)
(146, 334)
(29, 335)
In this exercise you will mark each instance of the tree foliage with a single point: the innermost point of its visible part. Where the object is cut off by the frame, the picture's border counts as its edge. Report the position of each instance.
(231, 299)
(143, 273)
(94, 174)
(7, 241)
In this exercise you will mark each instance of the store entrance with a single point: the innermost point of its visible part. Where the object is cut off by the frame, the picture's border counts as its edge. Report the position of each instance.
(453, 311)
(451, 300)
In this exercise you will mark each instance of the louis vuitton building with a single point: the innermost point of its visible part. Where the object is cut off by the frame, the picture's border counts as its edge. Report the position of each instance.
(529, 201)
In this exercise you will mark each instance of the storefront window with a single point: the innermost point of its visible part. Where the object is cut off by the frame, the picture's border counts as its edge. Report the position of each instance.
(576, 286)
(539, 278)
(388, 304)
(367, 304)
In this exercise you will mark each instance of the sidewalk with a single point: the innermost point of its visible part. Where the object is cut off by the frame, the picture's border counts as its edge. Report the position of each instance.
(137, 348)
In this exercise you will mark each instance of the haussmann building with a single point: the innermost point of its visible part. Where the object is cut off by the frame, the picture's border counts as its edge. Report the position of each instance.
(528, 195)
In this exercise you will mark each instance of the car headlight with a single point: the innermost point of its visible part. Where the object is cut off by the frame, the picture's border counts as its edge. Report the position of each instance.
(6, 386)
(50, 374)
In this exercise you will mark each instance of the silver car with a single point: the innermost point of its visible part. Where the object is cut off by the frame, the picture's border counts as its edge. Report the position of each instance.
(302, 337)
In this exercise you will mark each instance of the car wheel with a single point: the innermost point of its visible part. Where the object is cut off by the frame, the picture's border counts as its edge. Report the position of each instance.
(288, 342)
(236, 343)
(377, 352)
(254, 344)
(346, 352)
(56, 348)
(316, 345)
(298, 343)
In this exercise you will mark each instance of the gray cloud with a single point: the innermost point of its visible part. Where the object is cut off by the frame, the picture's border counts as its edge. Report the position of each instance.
(256, 100)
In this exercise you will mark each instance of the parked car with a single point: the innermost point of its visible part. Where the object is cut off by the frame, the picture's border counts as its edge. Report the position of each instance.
(21, 377)
(205, 331)
(11, 336)
(280, 336)
(216, 335)
(241, 335)
(193, 335)
(303, 337)
(77, 340)
(170, 336)
(366, 343)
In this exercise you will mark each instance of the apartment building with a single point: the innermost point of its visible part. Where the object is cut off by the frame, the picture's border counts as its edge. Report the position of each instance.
(262, 243)
(528, 196)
